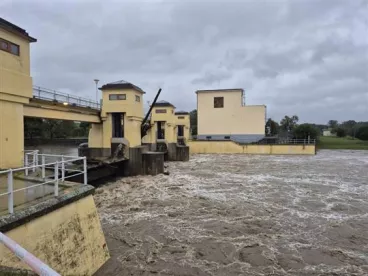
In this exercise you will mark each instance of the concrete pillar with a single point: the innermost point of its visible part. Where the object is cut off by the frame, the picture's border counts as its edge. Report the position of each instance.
(171, 151)
(152, 163)
(182, 153)
(11, 134)
(135, 161)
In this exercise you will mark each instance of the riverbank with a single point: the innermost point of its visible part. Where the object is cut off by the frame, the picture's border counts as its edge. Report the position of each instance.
(347, 143)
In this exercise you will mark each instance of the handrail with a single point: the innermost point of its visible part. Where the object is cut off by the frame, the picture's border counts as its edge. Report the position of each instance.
(58, 165)
(34, 263)
(67, 99)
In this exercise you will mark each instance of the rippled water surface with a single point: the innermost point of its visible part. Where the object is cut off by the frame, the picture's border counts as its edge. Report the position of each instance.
(241, 215)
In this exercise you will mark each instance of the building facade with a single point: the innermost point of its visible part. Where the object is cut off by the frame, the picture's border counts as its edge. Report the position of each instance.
(223, 116)
(15, 91)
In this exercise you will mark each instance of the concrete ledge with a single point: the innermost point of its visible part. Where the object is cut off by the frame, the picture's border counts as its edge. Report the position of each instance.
(65, 233)
(230, 147)
(11, 221)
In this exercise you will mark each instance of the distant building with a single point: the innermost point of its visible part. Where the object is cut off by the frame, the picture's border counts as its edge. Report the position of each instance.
(327, 132)
(223, 116)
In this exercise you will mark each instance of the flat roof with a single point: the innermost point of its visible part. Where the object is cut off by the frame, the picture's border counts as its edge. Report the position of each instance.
(10, 27)
(221, 90)
(121, 85)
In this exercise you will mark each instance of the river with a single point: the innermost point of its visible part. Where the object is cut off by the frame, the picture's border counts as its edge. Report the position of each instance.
(241, 215)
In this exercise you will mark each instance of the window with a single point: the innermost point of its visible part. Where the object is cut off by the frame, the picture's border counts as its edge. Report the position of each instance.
(160, 110)
(181, 117)
(218, 102)
(9, 47)
(117, 97)
(208, 137)
(227, 137)
(137, 98)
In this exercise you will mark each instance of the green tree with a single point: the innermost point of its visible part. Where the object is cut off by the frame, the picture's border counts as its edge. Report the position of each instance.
(340, 132)
(272, 127)
(33, 127)
(193, 121)
(333, 124)
(362, 133)
(52, 128)
(350, 127)
(288, 124)
(305, 131)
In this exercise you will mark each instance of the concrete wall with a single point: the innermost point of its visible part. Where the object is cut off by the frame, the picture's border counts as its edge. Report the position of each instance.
(68, 239)
(51, 111)
(184, 122)
(231, 120)
(232, 147)
(130, 106)
(15, 76)
(11, 134)
(15, 90)
(170, 125)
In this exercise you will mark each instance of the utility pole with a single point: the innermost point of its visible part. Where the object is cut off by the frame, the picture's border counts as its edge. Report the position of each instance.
(96, 81)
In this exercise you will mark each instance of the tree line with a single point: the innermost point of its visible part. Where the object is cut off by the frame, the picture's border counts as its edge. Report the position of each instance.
(50, 129)
(289, 127)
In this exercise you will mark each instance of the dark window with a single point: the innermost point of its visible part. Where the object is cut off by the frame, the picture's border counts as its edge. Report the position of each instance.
(9, 47)
(180, 131)
(218, 102)
(181, 117)
(117, 97)
(227, 137)
(208, 137)
(161, 111)
(14, 49)
(137, 98)
(117, 125)
(160, 130)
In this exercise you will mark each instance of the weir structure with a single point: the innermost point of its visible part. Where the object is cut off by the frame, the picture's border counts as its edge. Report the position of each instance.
(116, 124)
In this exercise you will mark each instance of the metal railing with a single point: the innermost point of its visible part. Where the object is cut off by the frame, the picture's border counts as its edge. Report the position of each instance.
(34, 263)
(64, 98)
(279, 141)
(58, 165)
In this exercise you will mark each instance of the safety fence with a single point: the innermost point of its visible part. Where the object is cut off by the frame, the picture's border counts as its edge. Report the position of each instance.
(61, 166)
(64, 98)
(34, 263)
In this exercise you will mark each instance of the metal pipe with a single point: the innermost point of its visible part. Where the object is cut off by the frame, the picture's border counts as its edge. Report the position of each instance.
(10, 192)
(34, 263)
(85, 179)
(43, 166)
(62, 168)
(151, 107)
(56, 179)
(26, 164)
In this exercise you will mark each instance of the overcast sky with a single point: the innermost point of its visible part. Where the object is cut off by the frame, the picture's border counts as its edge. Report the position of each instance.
(308, 58)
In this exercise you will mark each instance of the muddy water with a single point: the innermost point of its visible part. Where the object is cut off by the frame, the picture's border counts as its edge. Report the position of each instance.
(241, 215)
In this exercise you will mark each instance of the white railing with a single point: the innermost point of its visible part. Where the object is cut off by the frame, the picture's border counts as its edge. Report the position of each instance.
(59, 164)
(34, 263)
(30, 160)
(64, 98)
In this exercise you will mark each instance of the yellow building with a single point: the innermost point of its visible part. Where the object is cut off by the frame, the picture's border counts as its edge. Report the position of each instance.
(222, 115)
(121, 115)
(182, 126)
(15, 91)
(168, 126)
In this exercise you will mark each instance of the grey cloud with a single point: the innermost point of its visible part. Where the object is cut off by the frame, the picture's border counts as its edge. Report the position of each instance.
(305, 57)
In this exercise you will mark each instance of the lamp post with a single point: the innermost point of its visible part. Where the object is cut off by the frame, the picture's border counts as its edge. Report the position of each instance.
(96, 81)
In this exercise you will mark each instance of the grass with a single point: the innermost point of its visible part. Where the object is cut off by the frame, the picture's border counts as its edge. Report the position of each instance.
(326, 142)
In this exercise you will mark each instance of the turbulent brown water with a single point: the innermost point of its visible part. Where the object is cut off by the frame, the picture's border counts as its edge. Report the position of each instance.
(241, 215)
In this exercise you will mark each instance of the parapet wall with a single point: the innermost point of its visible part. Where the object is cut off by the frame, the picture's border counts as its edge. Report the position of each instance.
(232, 147)
(65, 233)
